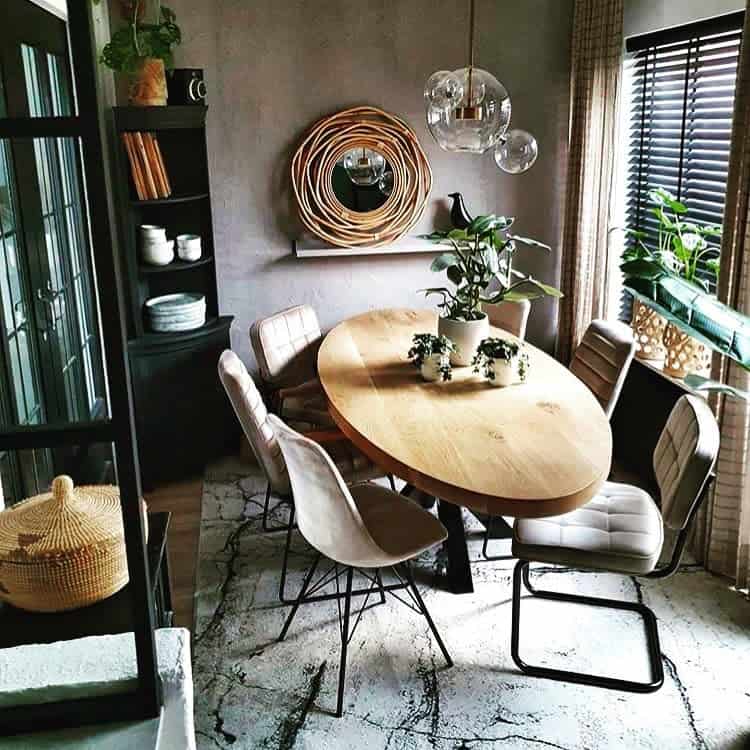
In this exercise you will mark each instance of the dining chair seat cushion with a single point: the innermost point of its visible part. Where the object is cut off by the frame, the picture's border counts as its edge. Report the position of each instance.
(400, 527)
(307, 407)
(620, 530)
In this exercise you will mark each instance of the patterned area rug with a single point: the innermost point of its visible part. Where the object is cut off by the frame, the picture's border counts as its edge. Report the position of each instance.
(252, 692)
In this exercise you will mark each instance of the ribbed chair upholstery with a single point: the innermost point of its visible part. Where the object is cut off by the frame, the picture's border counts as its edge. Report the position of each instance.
(253, 416)
(602, 360)
(362, 527)
(286, 346)
(510, 316)
(622, 531)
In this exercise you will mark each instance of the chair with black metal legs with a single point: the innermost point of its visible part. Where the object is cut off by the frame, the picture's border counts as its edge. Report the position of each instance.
(364, 528)
(622, 531)
(253, 416)
(601, 361)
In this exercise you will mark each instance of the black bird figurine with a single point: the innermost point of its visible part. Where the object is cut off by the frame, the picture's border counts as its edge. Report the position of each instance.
(460, 217)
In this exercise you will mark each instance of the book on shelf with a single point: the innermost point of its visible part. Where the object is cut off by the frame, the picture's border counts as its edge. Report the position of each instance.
(147, 166)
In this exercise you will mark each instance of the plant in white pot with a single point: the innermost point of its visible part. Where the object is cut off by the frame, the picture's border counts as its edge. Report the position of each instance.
(502, 362)
(481, 257)
(431, 354)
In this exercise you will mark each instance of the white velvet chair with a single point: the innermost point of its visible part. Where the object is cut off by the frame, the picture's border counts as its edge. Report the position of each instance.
(510, 316)
(254, 418)
(286, 347)
(360, 527)
(622, 531)
(602, 360)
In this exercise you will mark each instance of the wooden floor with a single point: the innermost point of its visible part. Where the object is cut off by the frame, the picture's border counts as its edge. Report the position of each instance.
(183, 500)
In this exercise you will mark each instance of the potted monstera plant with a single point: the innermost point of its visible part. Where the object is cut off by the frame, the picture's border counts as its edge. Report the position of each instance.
(481, 259)
(142, 48)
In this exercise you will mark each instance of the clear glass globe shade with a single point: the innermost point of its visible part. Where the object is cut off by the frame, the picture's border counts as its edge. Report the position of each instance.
(518, 153)
(364, 166)
(443, 90)
(385, 184)
(478, 120)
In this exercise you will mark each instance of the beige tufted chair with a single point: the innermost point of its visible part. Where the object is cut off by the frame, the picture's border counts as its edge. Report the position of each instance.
(362, 527)
(510, 316)
(253, 416)
(286, 347)
(622, 531)
(602, 360)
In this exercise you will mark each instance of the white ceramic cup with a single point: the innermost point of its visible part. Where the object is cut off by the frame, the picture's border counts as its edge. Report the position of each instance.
(158, 253)
(189, 247)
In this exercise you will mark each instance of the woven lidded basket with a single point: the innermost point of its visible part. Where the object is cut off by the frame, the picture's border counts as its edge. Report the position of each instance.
(62, 550)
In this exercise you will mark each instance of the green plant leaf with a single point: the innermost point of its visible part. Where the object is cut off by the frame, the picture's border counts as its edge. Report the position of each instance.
(443, 261)
(458, 234)
(455, 275)
(529, 242)
(699, 383)
(643, 269)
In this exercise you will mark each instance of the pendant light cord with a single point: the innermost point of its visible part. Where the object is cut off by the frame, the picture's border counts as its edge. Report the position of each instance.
(471, 46)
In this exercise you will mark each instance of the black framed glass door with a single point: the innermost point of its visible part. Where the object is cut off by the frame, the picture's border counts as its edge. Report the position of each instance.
(52, 363)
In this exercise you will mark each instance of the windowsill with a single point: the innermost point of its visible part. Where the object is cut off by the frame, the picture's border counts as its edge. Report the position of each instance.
(657, 366)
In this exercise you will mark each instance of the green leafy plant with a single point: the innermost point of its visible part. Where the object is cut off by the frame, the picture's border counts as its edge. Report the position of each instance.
(699, 383)
(491, 349)
(138, 40)
(682, 246)
(426, 345)
(483, 253)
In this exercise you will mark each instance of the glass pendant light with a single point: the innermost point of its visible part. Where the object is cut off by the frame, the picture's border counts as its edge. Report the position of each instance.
(364, 166)
(517, 152)
(475, 115)
(385, 184)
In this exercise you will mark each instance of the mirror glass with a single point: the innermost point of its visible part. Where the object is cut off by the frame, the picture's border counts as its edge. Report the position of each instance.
(362, 180)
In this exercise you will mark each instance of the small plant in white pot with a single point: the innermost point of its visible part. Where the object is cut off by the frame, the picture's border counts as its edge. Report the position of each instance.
(482, 257)
(431, 354)
(502, 362)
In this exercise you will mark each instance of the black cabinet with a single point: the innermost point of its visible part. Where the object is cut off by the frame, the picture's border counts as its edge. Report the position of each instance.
(183, 418)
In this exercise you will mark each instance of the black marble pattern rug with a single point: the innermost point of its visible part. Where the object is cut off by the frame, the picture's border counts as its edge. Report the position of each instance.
(252, 692)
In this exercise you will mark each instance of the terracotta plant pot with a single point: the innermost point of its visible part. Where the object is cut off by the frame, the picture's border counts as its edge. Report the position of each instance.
(149, 84)
(466, 335)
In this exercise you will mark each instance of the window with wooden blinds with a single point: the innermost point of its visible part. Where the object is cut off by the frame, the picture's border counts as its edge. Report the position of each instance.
(682, 88)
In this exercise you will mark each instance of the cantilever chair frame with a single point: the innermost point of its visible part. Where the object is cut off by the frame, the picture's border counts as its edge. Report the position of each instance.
(521, 573)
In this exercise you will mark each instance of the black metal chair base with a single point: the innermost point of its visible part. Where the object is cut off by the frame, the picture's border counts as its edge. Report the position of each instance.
(521, 572)
(506, 532)
(334, 574)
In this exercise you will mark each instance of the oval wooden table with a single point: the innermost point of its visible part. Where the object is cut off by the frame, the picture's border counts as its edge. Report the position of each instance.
(539, 448)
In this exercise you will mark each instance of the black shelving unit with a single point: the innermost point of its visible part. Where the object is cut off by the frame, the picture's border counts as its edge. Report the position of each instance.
(183, 418)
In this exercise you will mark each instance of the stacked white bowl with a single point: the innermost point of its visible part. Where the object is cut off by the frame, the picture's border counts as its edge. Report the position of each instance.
(171, 313)
(156, 249)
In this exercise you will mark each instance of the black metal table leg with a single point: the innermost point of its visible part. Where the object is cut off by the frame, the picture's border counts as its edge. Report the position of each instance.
(459, 570)
(423, 498)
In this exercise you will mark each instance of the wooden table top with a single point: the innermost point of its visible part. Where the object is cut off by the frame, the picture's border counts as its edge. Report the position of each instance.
(539, 448)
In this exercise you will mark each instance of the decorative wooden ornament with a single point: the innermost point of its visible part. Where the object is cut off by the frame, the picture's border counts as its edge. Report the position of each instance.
(648, 327)
(684, 353)
(329, 139)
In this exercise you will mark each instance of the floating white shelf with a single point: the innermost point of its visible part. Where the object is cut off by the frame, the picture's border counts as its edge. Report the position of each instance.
(310, 247)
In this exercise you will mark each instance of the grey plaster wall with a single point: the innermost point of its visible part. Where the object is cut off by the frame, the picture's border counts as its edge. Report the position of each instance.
(275, 66)
(643, 16)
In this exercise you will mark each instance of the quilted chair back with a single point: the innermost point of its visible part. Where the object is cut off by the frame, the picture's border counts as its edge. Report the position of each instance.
(684, 458)
(510, 316)
(602, 360)
(253, 416)
(326, 513)
(286, 345)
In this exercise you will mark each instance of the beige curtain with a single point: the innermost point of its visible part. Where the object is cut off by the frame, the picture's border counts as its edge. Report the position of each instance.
(596, 72)
(728, 529)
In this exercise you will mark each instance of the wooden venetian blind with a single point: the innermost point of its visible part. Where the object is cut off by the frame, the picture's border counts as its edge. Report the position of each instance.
(682, 102)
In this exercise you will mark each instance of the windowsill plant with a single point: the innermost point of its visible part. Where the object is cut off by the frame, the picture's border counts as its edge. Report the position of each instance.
(431, 354)
(142, 49)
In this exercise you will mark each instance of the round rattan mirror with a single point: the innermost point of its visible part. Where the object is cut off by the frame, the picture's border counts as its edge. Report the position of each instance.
(360, 177)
